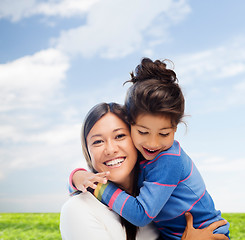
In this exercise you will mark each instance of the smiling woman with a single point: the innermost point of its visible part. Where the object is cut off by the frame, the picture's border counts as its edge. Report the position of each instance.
(107, 146)
(111, 149)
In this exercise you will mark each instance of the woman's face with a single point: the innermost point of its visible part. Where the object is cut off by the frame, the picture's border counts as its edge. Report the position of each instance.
(111, 149)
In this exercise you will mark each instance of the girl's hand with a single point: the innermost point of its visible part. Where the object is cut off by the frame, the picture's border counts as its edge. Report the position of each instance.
(191, 233)
(83, 179)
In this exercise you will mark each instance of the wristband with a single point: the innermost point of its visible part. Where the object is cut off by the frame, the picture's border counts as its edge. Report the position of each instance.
(71, 176)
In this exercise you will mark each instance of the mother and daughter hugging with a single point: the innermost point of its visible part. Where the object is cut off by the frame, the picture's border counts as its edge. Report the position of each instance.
(142, 185)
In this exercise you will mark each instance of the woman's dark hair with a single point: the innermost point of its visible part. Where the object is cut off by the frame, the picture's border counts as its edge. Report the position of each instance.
(93, 116)
(155, 90)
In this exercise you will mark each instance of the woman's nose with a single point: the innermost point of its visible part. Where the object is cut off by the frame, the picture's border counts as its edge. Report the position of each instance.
(111, 148)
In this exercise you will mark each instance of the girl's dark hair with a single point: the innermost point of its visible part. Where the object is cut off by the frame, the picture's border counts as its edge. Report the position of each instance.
(93, 116)
(155, 90)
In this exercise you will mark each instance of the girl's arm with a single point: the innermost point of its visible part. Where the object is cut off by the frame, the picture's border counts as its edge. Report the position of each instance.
(158, 186)
(80, 179)
(191, 233)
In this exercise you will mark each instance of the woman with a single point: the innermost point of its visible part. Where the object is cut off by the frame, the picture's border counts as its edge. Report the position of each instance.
(107, 146)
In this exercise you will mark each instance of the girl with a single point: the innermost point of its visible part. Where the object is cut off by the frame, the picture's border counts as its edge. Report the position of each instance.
(169, 182)
(83, 216)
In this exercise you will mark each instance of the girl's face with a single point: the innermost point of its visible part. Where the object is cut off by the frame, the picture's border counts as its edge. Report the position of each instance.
(152, 134)
(111, 149)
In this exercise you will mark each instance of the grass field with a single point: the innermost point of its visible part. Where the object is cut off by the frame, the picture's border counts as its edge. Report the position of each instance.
(45, 226)
(29, 226)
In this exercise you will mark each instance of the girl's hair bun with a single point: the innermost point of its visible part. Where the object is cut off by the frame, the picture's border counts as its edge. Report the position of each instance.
(148, 69)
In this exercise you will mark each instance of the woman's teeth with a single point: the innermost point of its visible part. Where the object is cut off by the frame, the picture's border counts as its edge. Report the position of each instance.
(114, 162)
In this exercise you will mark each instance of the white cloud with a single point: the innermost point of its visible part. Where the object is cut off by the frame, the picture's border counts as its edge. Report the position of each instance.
(220, 164)
(31, 143)
(43, 149)
(18, 10)
(65, 8)
(59, 135)
(58, 146)
(27, 85)
(225, 61)
(215, 78)
(224, 178)
(30, 140)
(113, 28)
(31, 80)
(116, 28)
(236, 95)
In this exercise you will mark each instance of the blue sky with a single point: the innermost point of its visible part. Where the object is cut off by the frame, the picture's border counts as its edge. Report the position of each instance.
(59, 58)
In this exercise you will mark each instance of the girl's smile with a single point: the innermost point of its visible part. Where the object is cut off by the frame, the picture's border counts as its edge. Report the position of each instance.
(152, 134)
(151, 152)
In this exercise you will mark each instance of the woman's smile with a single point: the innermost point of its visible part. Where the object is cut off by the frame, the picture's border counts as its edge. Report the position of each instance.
(111, 148)
(115, 163)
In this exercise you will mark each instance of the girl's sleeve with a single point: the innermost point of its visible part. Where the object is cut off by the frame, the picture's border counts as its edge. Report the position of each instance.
(71, 187)
(159, 183)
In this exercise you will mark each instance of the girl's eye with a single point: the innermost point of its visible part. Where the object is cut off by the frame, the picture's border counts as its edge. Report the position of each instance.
(164, 134)
(97, 142)
(120, 136)
(142, 133)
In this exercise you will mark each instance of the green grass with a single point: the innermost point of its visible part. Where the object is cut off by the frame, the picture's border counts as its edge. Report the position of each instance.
(45, 226)
(29, 226)
(237, 225)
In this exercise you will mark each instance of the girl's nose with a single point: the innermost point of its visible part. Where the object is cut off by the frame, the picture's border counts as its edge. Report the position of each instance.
(153, 142)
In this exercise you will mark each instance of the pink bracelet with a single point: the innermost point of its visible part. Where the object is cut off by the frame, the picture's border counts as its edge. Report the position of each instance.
(71, 176)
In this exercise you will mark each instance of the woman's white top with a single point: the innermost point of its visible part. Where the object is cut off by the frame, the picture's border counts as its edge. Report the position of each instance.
(83, 217)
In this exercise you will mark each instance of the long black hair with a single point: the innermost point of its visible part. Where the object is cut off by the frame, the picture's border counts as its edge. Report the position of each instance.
(93, 116)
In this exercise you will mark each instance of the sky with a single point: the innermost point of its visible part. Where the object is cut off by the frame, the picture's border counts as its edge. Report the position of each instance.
(58, 58)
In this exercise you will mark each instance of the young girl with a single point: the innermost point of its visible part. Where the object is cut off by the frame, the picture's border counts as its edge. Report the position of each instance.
(170, 184)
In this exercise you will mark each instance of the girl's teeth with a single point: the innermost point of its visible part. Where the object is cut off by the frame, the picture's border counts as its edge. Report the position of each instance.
(152, 151)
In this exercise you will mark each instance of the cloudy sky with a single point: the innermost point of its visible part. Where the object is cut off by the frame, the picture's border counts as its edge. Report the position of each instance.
(58, 58)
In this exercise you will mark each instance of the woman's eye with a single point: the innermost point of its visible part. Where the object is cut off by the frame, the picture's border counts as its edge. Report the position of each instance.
(164, 134)
(120, 136)
(142, 133)
(97, 142)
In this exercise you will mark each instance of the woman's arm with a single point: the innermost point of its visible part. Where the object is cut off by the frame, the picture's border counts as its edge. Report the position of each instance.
(191, 233)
